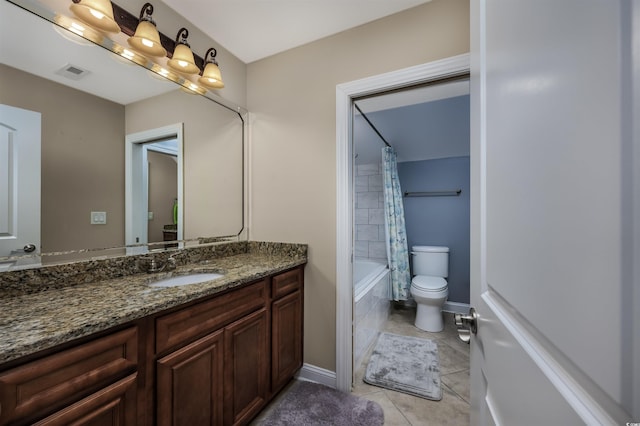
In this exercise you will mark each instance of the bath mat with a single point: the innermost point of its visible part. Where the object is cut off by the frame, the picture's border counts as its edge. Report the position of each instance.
(405, 364)
(311, 404)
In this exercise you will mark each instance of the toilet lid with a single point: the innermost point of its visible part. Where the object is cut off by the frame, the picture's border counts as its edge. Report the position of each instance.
(427, 283)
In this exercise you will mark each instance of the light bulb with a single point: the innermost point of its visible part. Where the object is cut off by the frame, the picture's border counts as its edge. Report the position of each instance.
(76, 28)
(97, 14)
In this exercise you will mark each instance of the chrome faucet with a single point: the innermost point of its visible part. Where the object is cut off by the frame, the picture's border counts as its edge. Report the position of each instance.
(169, 265)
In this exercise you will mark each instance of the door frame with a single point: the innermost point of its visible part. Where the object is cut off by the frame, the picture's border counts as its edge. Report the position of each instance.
(345, 93)
(137, 185)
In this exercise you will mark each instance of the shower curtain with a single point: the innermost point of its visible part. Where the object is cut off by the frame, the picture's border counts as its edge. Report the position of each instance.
(396, 233)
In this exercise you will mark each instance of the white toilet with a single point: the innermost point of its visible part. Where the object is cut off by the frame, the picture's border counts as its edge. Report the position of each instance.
(428, 286)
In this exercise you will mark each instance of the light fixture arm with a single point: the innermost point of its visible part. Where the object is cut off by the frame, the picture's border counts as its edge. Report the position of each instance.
(146, 12)
(213, 53)
(181, 37)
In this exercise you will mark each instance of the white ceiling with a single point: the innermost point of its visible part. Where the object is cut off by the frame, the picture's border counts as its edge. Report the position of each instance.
(255, 29)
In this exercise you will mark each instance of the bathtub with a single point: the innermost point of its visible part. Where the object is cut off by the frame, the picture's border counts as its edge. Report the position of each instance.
(371, 294)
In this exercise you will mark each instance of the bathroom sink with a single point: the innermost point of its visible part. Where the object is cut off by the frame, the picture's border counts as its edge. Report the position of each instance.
(192, 278)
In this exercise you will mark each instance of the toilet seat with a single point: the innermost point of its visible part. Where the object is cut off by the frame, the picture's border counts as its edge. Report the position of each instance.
(428, 283)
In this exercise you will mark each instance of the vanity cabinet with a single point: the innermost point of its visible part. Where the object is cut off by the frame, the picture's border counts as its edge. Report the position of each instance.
(286, 327)
(246, 368)
(221, 378)
(189, 383)
(114, 405)
(82, 382)
(214, 361)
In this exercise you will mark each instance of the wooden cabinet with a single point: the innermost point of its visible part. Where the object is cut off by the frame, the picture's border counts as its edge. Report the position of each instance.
(246, 367)
(114, 405)
(286, 327)
(190, 383)
(261, 327)
(40, 387)
(217, 361)
(219, 379)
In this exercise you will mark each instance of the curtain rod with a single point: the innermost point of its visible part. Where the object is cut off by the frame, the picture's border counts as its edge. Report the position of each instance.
(371, 124)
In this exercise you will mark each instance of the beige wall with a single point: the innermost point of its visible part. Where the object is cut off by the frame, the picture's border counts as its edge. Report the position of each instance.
(163, 190)
(82, 160)
(292, 98)
(212, 158)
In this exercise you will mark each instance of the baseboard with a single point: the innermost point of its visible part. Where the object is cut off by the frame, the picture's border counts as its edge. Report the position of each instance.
(311, 373)
(456, 307)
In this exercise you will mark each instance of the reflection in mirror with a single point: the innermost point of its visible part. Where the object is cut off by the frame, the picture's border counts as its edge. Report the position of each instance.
(84, 123)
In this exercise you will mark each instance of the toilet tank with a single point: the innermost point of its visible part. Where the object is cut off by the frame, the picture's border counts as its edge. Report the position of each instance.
(430, 260)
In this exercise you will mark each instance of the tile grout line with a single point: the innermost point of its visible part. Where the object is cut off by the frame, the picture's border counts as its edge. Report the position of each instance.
(455, 393)
(397, 408)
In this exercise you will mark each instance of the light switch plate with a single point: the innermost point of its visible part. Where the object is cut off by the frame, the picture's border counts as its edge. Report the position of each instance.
(98, 218)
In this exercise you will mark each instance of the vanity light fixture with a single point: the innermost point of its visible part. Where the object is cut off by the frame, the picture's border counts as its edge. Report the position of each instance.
(76, 31)
(162, 73)
(97, 13)
(129, 54)
(193, 88)
(211, 76)
(182, 59)
(146, 39)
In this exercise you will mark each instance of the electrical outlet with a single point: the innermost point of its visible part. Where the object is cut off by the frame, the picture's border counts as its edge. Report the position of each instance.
(98, 218)
(150, 215)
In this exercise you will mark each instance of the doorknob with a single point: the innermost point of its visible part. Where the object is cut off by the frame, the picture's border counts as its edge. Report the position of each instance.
(467, 325)
(26, 249)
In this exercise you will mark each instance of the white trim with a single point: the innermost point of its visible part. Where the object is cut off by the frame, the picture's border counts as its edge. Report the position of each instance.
(436, 70)
(456, 307)
(311, 373)
(249, 119)
(634, 315)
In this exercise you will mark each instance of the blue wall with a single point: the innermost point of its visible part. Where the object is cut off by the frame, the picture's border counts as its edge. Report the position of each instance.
(440, 221)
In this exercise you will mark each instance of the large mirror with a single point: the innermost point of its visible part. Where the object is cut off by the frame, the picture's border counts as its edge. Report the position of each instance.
(127, 157)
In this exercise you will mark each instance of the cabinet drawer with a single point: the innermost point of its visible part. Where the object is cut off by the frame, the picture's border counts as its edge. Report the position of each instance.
(57, 380)
(286, 283)
(195, 321)
(115, 404)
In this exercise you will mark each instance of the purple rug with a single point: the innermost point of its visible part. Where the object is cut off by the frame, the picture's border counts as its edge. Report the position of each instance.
(310, 404)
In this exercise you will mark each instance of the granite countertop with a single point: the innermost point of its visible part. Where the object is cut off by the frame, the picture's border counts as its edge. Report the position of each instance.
(35, 321)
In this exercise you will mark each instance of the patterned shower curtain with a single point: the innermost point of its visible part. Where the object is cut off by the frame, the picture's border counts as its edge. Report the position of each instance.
(396, 233)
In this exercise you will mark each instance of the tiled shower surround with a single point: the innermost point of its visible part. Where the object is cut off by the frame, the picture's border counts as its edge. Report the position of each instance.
(369, 213)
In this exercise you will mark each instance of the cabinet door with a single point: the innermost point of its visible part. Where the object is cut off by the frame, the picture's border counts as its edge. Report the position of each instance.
(114, 405)
(246, 367)
(286, 339)
(190, 384)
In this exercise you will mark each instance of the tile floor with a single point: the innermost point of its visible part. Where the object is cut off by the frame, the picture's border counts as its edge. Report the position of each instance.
(401, 409)
(405, 410)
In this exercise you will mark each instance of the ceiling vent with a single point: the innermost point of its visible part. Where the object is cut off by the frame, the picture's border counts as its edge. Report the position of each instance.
(73, 72)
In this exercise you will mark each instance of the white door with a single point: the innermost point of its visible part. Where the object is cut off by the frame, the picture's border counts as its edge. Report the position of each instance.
(555, 181)
(19, 182)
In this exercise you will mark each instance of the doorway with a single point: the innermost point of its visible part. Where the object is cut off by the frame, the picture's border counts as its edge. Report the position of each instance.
(345, 94)
(141, 147)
